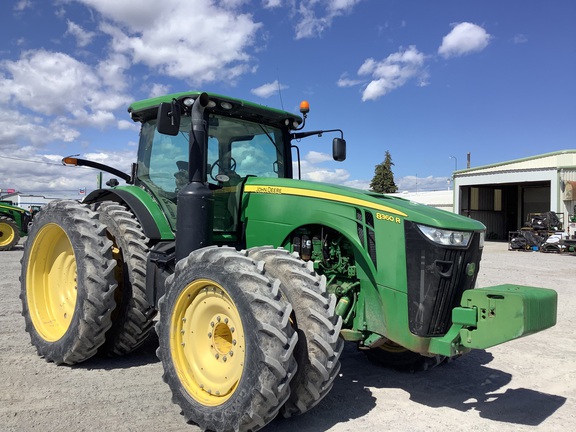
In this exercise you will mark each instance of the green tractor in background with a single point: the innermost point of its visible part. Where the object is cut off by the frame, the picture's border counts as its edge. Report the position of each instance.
(14, 223)
(259, 278)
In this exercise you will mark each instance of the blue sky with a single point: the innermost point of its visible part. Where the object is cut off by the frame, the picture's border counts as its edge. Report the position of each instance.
(423, 79)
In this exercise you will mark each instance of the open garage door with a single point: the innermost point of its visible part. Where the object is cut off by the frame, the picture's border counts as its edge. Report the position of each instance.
(504, 207)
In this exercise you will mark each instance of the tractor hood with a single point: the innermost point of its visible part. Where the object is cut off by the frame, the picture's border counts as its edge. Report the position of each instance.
(385, 204)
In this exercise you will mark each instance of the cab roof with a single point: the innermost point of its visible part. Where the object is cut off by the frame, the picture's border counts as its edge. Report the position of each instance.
(147, 109)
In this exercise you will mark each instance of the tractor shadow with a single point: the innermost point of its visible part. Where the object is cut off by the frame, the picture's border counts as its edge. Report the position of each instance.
(142, 356)
(464, 384)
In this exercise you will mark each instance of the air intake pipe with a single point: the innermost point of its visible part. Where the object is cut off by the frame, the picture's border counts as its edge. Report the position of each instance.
(195, 217)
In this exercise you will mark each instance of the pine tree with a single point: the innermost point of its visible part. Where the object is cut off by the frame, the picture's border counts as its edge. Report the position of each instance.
(383, 181)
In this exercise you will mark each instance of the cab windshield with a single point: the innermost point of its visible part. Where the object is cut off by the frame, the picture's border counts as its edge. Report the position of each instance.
(236, 149)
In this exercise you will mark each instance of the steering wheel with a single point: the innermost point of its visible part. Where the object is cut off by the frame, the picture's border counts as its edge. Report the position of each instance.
(225, 171)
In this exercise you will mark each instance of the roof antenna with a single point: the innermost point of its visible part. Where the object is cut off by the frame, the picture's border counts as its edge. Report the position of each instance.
(280, 94)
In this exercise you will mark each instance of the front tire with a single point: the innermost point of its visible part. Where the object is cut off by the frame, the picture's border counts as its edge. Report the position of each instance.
(319, 344)
(9, 233)
(67, 283)
(225, 341)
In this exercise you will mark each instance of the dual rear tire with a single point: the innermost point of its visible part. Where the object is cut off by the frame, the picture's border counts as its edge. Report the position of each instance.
(314, 319)
(83, 282)
(226, 342)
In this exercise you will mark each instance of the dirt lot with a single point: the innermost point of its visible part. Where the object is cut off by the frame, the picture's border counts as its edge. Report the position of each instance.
(519, 386)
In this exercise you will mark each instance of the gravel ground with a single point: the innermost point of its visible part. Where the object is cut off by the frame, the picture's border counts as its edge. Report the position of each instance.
(526, 384)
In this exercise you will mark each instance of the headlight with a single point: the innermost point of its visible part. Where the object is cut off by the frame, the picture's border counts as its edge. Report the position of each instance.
(482, 235)
(446, 237)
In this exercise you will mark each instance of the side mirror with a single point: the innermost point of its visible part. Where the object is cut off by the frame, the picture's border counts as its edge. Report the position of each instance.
(339, 149)
(168, 119)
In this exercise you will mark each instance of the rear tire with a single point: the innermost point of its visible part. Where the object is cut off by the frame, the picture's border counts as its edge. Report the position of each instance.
(9, 233)
(225, 341)
(67, 283)
(319, 344)
(397, 357)
(133, 318)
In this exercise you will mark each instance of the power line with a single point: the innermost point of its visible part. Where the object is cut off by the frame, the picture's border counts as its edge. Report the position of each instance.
(39, 162)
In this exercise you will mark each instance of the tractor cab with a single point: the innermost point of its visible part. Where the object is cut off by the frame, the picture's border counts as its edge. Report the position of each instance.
(197, 150)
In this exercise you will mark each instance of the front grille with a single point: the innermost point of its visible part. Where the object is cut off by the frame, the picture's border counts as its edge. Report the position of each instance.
(436, 277)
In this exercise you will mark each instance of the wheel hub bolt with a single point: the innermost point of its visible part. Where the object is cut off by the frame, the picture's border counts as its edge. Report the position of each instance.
(209, 335)
(217, 356)
(224, 359)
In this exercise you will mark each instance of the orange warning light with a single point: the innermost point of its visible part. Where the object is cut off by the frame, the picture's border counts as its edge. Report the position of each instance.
(70, 161)
(304, 107)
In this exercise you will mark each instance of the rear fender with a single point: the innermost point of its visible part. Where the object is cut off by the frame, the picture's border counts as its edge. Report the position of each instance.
(146, 210)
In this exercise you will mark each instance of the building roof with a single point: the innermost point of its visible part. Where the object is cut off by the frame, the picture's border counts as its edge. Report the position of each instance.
(546, 161)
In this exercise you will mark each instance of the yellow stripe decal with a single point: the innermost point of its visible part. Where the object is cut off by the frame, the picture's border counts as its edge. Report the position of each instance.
(322, 195)
(12, 208)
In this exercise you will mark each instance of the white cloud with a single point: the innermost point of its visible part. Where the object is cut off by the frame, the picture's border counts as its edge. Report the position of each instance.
(344, 81)
(312, 170)
(18, 130)
(392, 72)
(83, 37)
(520, 38)
(268, 89)
(54, 83)
(270, 4)
(336, 176)
(159, 90)
(315, 16)
(358, 184)
(112, 70)
(465, 38)
(22, 4)
(199, 42)
(315, 157)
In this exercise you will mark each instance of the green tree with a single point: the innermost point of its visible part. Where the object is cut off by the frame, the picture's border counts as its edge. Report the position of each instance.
(383, 181)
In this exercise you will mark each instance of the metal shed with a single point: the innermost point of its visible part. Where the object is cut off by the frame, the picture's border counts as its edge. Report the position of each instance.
(504, 195)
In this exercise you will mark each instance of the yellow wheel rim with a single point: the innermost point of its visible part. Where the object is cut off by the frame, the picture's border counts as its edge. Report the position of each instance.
(207, 342)
(51, 287)
(6, 234)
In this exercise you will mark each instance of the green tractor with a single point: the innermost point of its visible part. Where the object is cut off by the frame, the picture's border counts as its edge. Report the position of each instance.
(258, 278)
(14, 223)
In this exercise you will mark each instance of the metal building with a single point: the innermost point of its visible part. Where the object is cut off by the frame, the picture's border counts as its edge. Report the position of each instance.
(504, 195)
